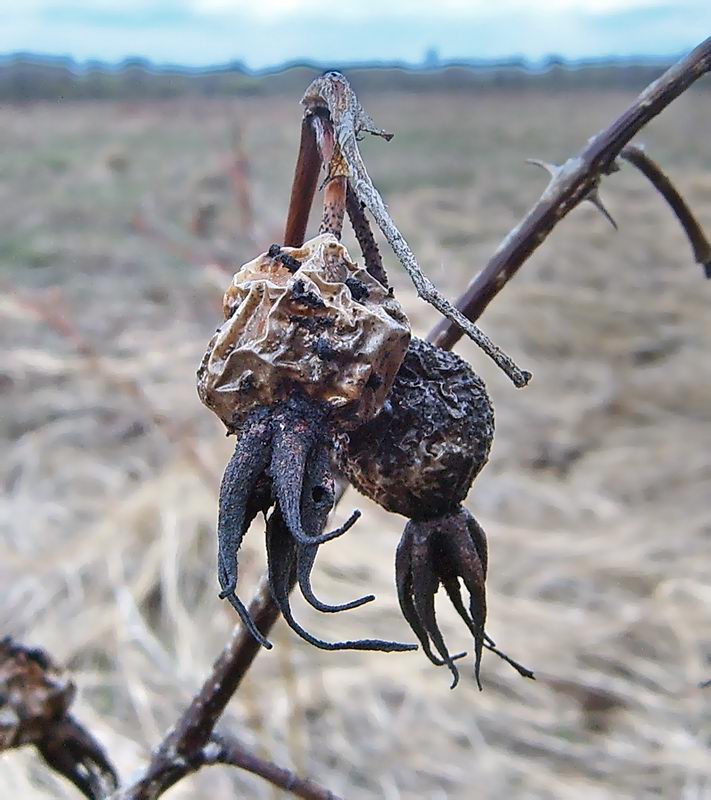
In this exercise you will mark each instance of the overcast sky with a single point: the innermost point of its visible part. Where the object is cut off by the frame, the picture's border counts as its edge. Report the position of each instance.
(267, 32)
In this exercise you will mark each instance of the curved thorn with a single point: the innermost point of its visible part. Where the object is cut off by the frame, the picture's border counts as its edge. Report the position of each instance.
(594, 198)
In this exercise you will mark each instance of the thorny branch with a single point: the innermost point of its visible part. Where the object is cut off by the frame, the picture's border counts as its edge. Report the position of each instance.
(578, 177)
(192, 743)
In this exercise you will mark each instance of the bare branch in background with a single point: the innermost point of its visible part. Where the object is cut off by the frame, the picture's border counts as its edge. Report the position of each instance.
(577, 178)
(52, 310)
(239, 174)
(661, 182)
(172, 244)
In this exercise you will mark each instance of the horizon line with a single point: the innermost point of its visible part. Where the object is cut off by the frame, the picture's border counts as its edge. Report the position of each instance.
(543, 63)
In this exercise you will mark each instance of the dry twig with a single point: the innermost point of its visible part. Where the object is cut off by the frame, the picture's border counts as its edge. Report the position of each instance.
(332, 94)
(662, 183)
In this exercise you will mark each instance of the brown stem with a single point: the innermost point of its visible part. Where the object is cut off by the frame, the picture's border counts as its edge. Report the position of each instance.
(225, 750)
(336, 183)
(303, 188)
(234, 753)
(193, 730)
(662, 183)
(365, 238)
(578, 177)
(241, 185)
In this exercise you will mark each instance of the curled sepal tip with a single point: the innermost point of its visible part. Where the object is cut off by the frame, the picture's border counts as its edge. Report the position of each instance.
(281, 557)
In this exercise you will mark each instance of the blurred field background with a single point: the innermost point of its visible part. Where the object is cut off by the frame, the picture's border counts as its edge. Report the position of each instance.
(120, 225)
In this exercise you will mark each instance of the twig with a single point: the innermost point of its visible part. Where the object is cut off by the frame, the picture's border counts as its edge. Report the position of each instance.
(578, 177)
(240, 179)
(365, 238)
(336, 183)
(332, 93)
(234, 753)
(228, 751)
(662, 183)
(303, 189)
(180, 250)
(193, 731)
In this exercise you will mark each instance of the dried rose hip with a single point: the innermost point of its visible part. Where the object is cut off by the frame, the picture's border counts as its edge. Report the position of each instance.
(309, 348)
(418, 458)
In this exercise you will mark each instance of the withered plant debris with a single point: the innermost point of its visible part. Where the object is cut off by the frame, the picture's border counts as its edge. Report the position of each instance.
(35, 697)
(303, 354)
(418, 458)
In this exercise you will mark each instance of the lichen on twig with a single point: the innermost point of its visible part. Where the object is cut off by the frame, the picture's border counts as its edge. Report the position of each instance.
(332, 93)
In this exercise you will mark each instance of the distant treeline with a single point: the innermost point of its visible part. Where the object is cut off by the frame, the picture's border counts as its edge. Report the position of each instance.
(27, 78)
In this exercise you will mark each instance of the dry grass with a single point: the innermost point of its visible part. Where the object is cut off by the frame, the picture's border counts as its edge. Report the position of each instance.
(596, 500)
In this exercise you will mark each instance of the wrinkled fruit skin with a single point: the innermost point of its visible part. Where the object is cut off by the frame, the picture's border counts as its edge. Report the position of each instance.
(419, 456)
(310, 318)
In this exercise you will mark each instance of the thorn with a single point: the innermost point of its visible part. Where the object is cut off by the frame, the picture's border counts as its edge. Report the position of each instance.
(593, 195)
(552, 169)
(594, 198)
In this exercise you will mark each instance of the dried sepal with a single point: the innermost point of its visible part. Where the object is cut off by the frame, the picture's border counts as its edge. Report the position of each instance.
(304, 317)
(443, 552)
